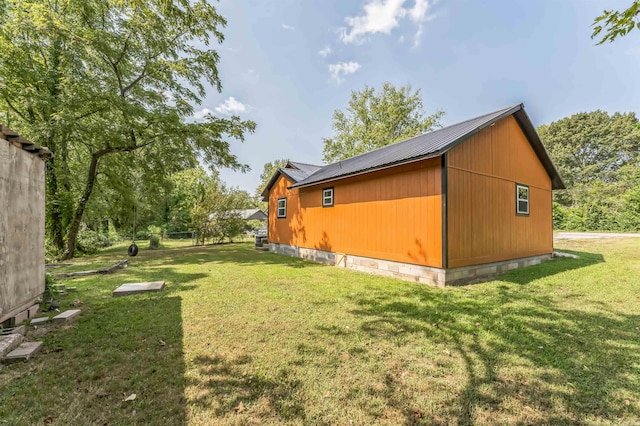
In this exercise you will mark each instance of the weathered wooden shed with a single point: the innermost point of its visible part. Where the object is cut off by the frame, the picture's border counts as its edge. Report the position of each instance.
(22, 227)
(458, 203)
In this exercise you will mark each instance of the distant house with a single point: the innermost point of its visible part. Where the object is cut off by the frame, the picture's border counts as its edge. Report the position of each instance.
(22, 204)
(252, 214)
(248, 214)
(458, 203)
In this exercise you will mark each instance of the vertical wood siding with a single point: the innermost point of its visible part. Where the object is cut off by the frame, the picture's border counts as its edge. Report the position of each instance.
(481, 196)
(393, 214)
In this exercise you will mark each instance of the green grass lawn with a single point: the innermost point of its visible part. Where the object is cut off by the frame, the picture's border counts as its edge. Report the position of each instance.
(246, 337)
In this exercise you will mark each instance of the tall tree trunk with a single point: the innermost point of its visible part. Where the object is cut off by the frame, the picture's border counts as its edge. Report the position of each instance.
(56, 226)
(72, 237)
(55, 214)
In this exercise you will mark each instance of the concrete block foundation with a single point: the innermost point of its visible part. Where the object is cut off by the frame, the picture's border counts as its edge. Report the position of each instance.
(416, 273)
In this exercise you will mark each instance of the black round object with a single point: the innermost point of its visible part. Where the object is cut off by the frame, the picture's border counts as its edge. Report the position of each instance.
(133, 250)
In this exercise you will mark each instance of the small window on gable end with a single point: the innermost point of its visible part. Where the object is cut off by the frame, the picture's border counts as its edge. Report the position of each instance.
(327, 197)
(282, 207)
(522, 199)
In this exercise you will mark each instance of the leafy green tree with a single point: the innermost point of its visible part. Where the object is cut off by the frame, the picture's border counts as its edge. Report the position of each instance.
(375, 119)
(598, 156)
(617, 24)
(215, 215)
(592, 146)
(267, 172)
(187, 187)
(109, 86)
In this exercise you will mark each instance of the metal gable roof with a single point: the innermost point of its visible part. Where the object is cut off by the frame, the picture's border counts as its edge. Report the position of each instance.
(429, 145)
(295, 174)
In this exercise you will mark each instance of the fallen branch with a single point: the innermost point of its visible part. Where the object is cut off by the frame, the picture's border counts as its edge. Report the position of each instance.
(118, 265)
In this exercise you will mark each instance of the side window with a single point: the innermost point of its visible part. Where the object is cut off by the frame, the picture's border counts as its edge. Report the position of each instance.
(282, 207)
(522, 199)
(327, 197)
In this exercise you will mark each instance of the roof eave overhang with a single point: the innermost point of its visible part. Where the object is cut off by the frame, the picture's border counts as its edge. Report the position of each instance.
(536, 143)
(265, 192)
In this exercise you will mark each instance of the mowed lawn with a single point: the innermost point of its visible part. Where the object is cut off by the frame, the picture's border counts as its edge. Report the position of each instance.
(245, 337)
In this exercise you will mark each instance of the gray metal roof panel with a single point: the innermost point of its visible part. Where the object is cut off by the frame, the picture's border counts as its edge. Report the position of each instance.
(423, 146)
(307, 168)
(295, 175)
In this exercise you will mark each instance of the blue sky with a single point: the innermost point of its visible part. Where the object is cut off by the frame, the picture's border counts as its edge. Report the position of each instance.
(288, 64)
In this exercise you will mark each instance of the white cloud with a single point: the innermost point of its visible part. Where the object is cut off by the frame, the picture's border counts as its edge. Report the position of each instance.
(201, 114)
(325, 52)
(382, 16)
(231, 106)
(288, 27)
(342, 69)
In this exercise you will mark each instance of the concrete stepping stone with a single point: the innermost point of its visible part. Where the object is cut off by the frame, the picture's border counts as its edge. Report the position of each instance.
(66, 316)
(40, 321)
(8, 343)
(24, 352)
(138, 288)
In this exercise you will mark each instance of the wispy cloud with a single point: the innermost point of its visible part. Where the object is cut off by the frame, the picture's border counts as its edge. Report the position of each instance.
(288, 27)
(325, 52)
(383, 16)
(418, 14)
(231, 106)
(339, 70)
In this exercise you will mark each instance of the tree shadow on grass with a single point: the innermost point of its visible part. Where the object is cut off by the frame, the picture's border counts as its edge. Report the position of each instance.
(225, 383)
(576, 365)
(118, 347)
(239, 254)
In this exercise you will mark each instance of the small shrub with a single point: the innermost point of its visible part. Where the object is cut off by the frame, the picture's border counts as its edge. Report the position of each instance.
(89, 242)
(154, 236)
(51, 253)
(49, 281)
(154, 241)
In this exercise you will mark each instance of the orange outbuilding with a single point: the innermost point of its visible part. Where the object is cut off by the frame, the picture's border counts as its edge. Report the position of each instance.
(462, 202)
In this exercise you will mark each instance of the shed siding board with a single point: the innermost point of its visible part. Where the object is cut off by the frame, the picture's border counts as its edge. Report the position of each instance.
(21, 227)
(392, 214)
(481, 199)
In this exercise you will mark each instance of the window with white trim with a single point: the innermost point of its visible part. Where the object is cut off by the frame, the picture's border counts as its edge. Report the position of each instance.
(327, 197)
(522, 199)
(282, 207)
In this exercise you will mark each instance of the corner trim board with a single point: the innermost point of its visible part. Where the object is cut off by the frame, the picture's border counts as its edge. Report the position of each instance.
(444, 179)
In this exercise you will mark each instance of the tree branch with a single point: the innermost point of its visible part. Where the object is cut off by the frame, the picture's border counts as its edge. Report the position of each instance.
(85, 115)
(14, 109)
